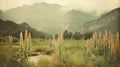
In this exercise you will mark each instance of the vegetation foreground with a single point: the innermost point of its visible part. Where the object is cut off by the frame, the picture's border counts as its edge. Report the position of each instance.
(97, 51)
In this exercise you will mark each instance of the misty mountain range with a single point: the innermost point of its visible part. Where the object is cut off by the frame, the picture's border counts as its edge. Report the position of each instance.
(46, 17)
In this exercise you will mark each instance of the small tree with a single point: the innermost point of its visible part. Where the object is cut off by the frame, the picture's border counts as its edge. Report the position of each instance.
(70, 35)
(77, 35)
(66, 34)
(87, 35)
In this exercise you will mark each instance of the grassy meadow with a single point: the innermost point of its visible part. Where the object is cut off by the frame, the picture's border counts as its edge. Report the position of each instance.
(59, 33)
(97, 51)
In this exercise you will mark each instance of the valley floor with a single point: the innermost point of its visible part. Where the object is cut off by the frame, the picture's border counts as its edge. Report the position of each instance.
(75, 55)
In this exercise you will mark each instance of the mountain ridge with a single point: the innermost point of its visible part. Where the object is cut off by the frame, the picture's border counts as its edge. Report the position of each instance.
(11, 28)
(109, 21)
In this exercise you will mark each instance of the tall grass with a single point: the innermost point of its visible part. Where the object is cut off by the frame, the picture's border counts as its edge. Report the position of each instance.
(107, 45)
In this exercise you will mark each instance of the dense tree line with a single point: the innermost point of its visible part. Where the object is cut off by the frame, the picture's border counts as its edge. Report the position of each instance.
(76, 35)
(70, 35)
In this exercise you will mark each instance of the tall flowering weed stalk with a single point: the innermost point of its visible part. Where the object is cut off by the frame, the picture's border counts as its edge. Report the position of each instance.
(25, 47)
(58, 46)
(10, 39)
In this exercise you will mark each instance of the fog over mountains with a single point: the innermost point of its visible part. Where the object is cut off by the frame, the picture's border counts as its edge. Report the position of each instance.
(46, 17)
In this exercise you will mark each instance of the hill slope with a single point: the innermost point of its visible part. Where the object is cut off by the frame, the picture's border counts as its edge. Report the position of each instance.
(109, 21)
(11, 28)
(78, 18)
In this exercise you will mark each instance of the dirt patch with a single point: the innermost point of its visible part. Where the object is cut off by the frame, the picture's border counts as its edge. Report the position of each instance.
(35, 58)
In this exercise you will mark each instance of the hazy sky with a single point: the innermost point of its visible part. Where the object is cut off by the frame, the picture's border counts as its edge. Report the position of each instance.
(98, 6)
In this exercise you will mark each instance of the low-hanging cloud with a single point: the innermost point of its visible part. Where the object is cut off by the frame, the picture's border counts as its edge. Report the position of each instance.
(98, 6)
